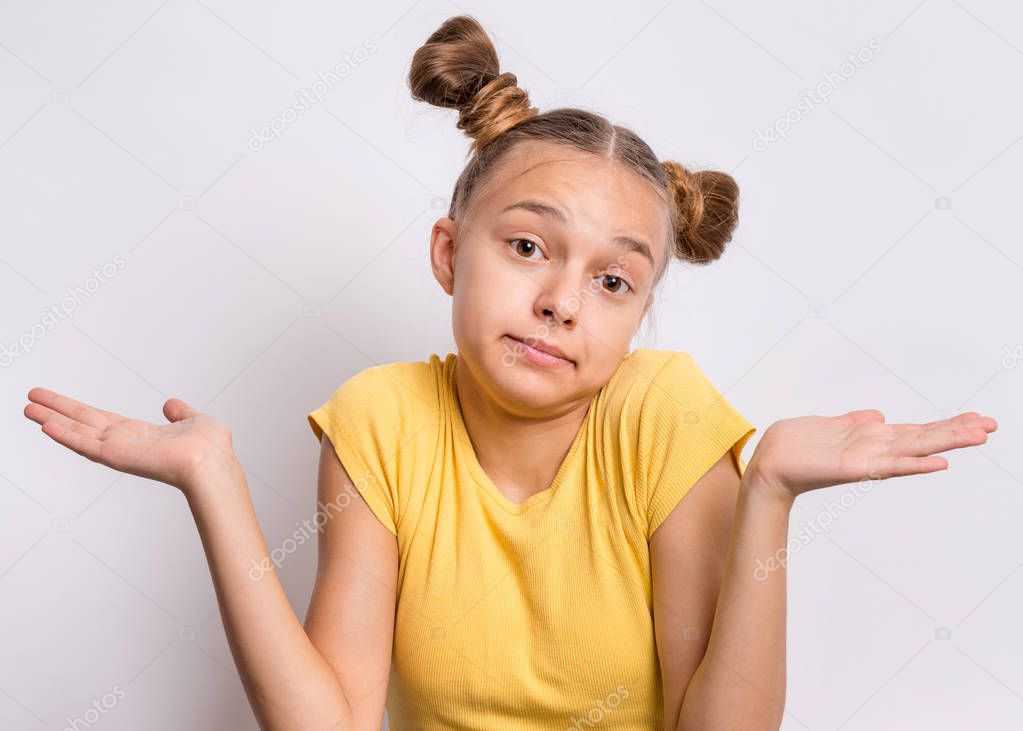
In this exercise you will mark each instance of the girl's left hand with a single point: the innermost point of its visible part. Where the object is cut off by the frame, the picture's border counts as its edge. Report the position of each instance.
(809, 452)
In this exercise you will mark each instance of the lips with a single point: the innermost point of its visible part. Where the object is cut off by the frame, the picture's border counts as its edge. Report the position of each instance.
(544, 346)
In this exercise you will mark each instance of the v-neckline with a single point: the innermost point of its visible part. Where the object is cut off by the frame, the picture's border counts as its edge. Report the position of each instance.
(483, 479)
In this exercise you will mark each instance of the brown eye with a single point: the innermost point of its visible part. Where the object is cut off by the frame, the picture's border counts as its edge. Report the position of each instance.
(616, 284)
(525, 248)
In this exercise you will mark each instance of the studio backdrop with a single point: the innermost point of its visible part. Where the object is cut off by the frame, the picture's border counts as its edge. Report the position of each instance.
(231, 203)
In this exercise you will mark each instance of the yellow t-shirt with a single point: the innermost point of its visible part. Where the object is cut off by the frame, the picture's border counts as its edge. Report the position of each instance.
(536, 615)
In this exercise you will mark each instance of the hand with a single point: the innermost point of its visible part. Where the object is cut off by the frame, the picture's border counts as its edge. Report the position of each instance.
(809, 452)
(174, 453)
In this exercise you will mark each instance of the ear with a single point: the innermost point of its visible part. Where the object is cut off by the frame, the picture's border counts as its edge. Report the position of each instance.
(442, 253)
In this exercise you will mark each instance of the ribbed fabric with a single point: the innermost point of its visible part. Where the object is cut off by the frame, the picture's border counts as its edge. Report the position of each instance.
(536, 615)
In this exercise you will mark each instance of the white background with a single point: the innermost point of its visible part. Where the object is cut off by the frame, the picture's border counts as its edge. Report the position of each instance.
(124, 136)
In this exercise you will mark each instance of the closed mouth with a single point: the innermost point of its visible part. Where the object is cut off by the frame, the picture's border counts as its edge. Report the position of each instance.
(544, 348)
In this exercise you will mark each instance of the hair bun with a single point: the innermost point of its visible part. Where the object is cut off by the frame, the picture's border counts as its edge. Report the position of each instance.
(706, 211)
(457, 68)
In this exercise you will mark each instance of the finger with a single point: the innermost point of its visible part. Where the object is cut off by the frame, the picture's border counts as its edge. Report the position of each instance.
(88, 447)
(903, 466)
(41, 414)
(969, 419)
(865, 415)
(927, 441)
(73, 409)
(984, 422)
(175, 410)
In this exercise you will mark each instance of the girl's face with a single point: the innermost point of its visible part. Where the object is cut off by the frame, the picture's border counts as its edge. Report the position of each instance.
(559, 249)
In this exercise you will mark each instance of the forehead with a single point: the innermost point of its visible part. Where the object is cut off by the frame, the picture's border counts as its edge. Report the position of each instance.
(595, 191)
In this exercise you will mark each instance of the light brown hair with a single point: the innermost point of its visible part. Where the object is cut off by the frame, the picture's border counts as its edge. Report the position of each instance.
(457, 68)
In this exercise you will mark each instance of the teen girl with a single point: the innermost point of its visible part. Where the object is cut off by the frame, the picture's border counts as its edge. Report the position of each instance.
(504, 542)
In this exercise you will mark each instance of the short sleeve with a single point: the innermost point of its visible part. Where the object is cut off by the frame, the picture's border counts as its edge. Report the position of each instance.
(365, 420)
(685, 426)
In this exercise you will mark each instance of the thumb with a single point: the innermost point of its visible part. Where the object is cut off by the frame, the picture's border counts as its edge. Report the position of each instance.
(175, 410)
(866, 415)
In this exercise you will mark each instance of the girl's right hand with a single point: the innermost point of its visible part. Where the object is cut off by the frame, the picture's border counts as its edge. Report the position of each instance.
(177, 453)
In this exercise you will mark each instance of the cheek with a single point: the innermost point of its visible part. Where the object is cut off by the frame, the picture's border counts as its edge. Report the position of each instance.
(489, 296)
(486, 285)
(614, 317)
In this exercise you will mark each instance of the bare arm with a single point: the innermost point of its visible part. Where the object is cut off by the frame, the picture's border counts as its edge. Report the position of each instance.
(740, 681)
(720, 632)
(333, 674)
(351, 614)
(289, 684)
(294, 680)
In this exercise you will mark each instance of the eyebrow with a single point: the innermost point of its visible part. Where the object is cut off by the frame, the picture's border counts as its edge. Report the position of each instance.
(556, 214)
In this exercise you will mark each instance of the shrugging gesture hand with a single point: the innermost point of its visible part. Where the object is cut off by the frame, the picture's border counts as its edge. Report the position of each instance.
(809, 452)
(174, 453)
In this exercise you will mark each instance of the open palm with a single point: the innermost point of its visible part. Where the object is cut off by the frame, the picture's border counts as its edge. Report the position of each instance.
(811, 452)
(171, 453)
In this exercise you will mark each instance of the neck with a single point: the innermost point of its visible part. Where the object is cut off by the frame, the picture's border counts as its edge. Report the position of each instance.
(520, 455)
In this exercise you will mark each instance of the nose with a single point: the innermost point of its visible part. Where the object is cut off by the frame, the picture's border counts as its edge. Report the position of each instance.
(562, 320)
(559, 301)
